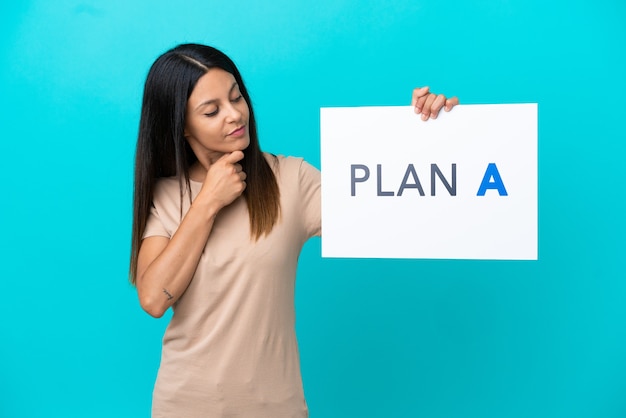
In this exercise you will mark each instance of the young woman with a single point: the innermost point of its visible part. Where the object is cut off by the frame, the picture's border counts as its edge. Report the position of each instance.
(217, 229)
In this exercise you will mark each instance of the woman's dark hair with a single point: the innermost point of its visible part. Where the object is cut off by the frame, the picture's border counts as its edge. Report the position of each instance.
(162, 150)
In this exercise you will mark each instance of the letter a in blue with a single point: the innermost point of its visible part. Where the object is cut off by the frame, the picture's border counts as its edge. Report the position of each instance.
(487, 183)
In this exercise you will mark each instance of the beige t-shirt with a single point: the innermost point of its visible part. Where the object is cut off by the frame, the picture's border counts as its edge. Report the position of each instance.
(230, 349)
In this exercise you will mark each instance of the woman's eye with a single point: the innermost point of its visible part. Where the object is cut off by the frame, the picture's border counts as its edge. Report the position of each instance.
(236, 99)
(212, 113)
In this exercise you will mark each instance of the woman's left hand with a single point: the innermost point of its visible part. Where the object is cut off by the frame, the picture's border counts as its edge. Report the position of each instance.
(429, 104)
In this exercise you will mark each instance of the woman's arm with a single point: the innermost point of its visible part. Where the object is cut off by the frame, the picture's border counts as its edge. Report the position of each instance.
(429, 104)
(166, 266)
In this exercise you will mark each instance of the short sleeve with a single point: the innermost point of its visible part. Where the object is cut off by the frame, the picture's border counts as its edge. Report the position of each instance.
(310, 198)
(154, 225)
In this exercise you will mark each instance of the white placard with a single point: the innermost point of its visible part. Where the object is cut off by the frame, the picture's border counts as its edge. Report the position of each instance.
(463, 186)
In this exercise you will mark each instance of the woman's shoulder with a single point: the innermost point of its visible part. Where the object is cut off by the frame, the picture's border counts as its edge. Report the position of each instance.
(167, 190)
(166, 185)
(289, 164)
(294, 174)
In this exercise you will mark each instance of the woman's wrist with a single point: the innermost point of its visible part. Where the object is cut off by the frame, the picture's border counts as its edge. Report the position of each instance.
(206, 206)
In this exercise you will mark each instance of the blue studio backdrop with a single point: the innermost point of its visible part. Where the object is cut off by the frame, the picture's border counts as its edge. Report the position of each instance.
(378, 338)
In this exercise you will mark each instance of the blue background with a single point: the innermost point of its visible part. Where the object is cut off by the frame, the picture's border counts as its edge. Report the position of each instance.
(378, 338)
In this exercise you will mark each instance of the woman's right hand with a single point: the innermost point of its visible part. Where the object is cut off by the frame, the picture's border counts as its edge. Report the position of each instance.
(224, 181)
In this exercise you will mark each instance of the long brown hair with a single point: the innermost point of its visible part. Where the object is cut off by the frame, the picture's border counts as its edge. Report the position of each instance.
(162, 150)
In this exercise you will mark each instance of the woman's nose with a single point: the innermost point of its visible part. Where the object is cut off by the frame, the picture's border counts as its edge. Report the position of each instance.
(233, 113)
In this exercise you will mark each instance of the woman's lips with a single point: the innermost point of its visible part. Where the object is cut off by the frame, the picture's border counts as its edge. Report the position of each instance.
(238, 132)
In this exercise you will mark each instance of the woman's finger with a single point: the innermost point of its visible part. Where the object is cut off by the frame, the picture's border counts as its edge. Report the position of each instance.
(233, 157)
(426, 109)
(439, 102)
(418, 97)
(450, 103)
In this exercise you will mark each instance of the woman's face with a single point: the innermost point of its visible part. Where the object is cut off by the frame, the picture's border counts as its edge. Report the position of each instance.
(217, 117)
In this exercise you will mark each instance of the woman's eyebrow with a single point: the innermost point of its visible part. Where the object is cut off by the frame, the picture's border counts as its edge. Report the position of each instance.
(211, 101)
